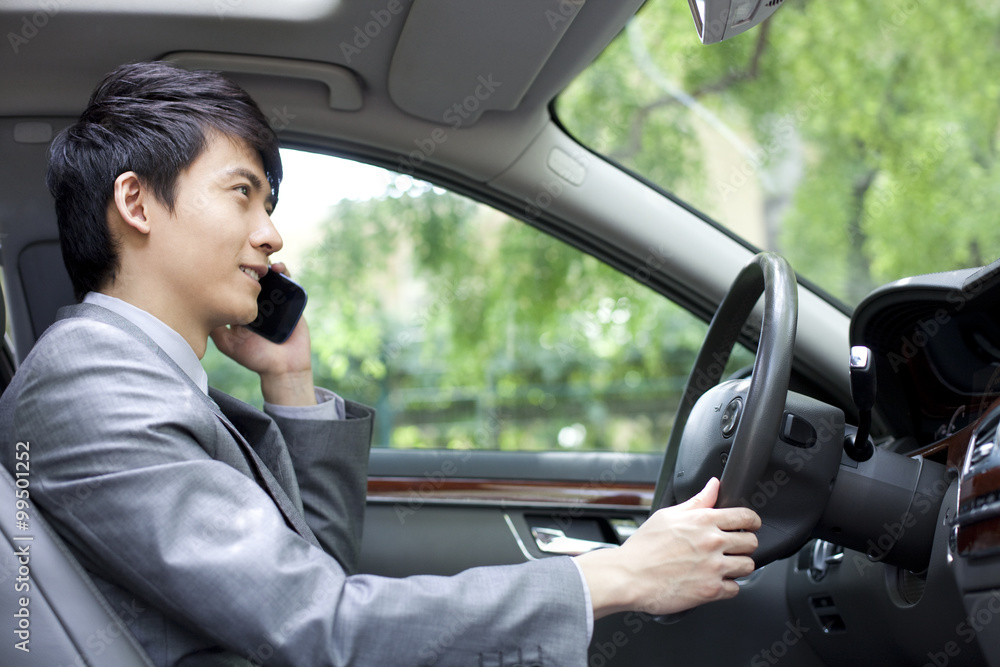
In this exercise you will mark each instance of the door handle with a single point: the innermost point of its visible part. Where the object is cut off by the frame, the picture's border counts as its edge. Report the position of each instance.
(554, 541)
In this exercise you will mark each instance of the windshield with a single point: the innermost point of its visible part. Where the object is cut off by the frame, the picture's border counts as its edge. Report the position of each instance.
(857, 139)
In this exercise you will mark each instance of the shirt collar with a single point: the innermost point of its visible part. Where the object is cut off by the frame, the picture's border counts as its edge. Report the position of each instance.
(169, 340)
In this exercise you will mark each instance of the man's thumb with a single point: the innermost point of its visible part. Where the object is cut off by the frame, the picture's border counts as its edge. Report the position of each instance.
(704, 498)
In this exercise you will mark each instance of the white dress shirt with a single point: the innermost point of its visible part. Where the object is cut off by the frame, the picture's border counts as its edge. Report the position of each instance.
(329, 405)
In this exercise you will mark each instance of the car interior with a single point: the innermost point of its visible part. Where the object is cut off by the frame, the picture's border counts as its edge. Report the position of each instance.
(864, 436)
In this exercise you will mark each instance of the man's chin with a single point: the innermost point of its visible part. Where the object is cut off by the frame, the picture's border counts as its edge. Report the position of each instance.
(242, 319)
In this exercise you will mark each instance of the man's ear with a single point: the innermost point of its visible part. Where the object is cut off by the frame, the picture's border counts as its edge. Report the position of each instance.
(131, 200)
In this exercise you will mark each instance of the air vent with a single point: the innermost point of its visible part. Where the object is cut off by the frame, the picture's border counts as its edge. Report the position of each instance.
(773, 3)
(983, 443)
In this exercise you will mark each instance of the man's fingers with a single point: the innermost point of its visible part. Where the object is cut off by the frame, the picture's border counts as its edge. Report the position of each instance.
(737, 518)
(729, 590)
(739, 566)
(692, 550)
(221, 336)
(228, 338)
(740, 543)
(704, 498)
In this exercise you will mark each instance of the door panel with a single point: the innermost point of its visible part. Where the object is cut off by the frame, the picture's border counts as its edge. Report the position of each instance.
(441, 512)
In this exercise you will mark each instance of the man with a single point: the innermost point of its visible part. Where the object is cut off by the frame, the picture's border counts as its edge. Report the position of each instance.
(234, 532)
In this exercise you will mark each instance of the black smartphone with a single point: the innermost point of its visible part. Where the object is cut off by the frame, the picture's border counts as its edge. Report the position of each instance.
(279, 307)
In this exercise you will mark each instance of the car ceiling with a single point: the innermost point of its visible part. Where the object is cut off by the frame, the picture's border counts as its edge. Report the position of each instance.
(542, 45)
(306, 69)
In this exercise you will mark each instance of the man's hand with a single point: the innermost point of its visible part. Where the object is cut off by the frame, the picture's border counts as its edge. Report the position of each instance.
(285, 370)
(681, 557)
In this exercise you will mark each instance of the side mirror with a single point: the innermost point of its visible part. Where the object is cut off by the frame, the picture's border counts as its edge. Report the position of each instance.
(717, 20)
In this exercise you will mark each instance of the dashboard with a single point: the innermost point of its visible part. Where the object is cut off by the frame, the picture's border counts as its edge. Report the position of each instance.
(936, 344)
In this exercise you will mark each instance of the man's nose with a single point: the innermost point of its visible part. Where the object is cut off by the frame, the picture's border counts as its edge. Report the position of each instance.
(266, 236)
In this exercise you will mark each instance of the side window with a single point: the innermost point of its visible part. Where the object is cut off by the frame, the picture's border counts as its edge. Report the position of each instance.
(468, 329)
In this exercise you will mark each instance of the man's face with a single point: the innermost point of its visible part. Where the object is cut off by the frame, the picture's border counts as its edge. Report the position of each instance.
(215, 245)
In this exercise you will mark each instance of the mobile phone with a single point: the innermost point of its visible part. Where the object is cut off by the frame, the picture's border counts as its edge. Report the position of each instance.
(279, 307)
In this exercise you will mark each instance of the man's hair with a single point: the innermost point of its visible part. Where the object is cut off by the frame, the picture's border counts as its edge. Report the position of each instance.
(154, 119)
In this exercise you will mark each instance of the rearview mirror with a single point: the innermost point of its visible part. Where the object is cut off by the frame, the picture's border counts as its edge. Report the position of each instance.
(717, 20)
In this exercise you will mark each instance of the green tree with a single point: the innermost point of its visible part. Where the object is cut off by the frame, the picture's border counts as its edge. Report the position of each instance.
(896, 104)
(439, 310)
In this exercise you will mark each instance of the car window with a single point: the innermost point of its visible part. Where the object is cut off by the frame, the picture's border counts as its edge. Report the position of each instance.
(467, 329)
(856, 151)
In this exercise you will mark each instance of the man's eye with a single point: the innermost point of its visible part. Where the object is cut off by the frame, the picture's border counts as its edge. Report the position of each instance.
(244, 190)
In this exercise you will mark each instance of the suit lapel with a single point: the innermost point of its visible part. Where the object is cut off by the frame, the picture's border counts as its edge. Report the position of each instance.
(262, 475)
(231, 412)
(266, 480)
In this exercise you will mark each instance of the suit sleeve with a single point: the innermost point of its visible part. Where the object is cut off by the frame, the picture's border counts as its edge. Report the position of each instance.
(112, 429)
(330, 458)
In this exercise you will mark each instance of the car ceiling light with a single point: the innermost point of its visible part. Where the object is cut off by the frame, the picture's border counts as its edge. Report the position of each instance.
(717, 20)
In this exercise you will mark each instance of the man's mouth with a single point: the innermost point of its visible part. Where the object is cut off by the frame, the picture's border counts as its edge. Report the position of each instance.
(250, 271)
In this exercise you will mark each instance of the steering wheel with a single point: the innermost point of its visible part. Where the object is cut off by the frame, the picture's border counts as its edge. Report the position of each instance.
(758, 421)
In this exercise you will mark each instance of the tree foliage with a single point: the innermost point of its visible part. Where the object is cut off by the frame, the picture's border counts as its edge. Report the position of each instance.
(896, 105)
(460, 315)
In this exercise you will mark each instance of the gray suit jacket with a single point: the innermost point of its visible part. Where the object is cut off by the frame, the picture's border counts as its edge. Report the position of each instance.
(223, 536)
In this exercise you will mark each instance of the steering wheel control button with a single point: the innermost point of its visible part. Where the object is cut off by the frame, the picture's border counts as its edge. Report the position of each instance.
(731, 416)
(796, 431)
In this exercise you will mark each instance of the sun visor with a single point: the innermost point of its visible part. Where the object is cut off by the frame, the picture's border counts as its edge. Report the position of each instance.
(458, 58)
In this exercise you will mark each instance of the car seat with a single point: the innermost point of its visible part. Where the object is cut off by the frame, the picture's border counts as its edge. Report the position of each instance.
(51, 613)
